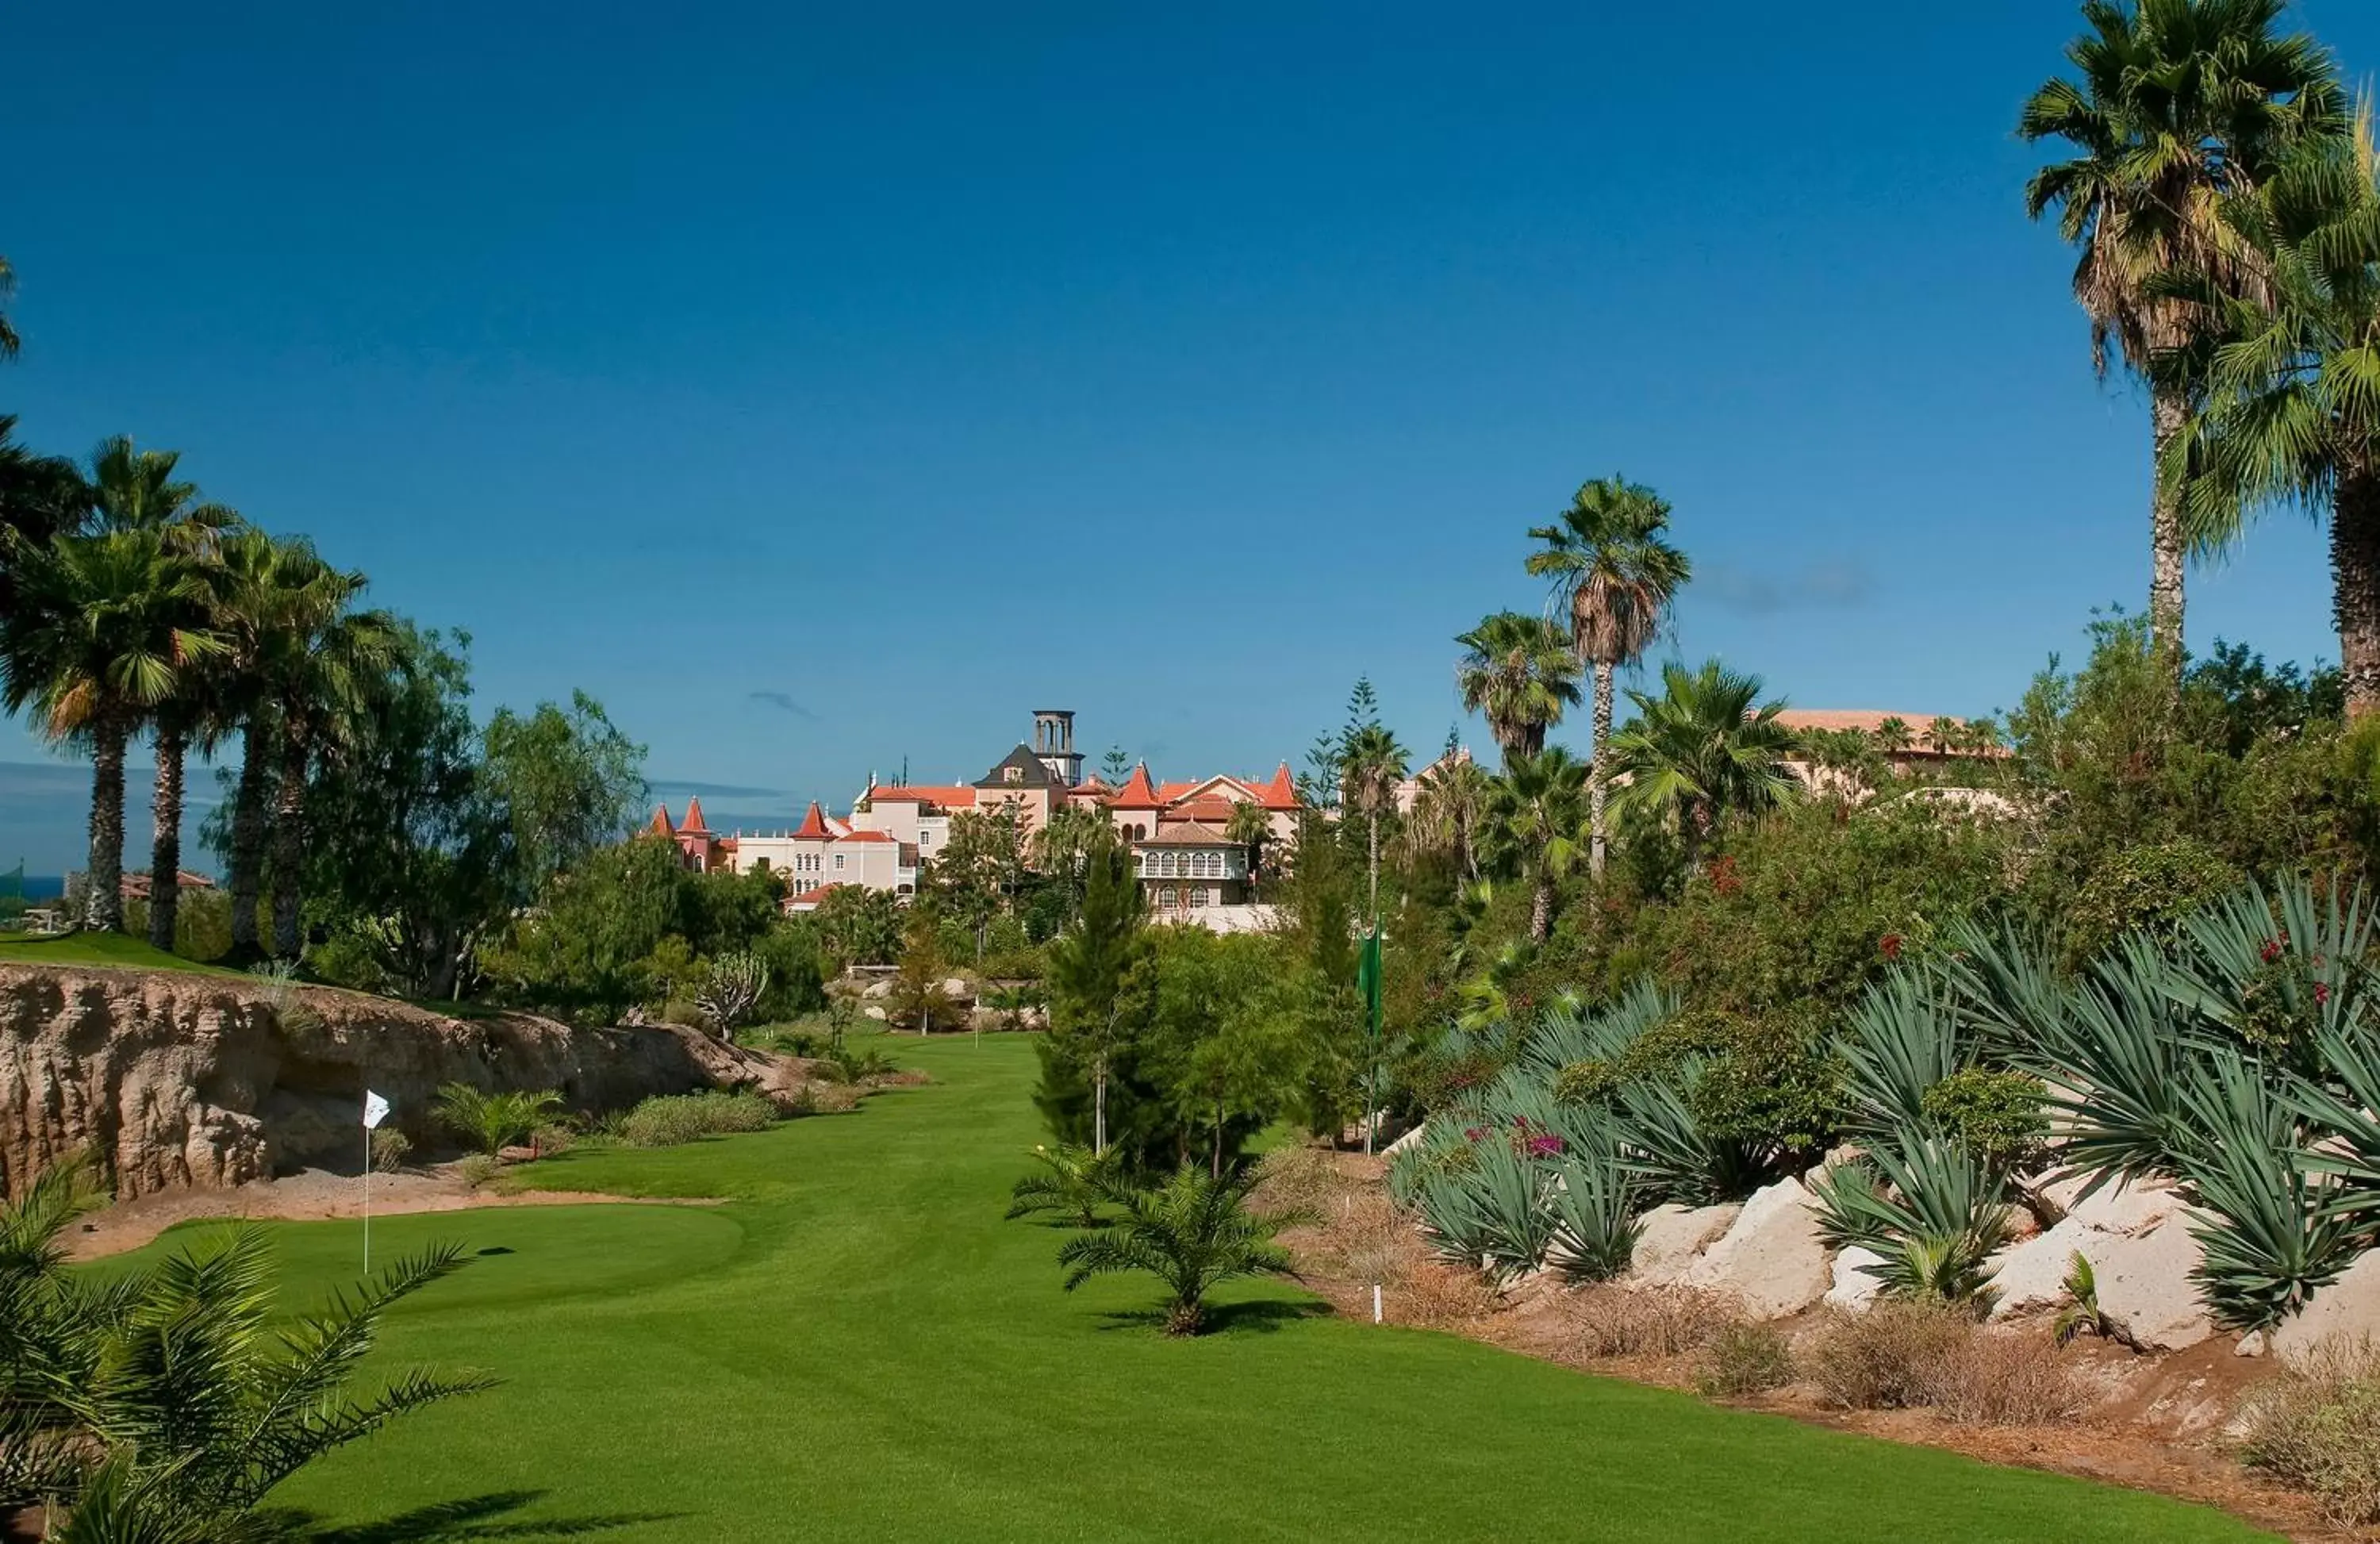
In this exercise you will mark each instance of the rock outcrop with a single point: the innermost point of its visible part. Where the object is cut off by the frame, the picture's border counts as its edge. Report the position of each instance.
(2141, 1252)
(1771, 1258)
(2346, 1310)
(1671, 1239)
(176, 1079)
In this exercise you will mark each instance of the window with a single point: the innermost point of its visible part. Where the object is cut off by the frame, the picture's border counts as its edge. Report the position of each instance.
(838, 860)
(1012, 774)
(1199, 895)
(1165, 894)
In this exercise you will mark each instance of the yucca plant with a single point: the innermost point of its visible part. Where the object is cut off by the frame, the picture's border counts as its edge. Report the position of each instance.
(1898, 1041)
(1193, 1233)
(2275, 1237)
(491, 1122)
(2343, 1108)
(2278, 969)
(1072, 1184)
(1564, 1034)
(2003, 984)
(1930, 1208)
(1441, 1150)
(1667, 1144)
(1595, 1204)
(2120, 1059)
(1497, 1217)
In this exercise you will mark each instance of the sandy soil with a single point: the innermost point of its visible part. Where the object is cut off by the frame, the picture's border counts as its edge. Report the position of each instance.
(310, 1195)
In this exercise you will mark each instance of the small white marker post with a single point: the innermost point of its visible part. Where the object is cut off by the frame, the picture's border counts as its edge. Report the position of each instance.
(375, 1111)
(1375, 1302)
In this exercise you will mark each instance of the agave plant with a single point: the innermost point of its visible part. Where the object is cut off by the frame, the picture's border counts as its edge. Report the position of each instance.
(1496, 1217)
(1595, 1204)
(1926, 1204)
(1563, 1035)
(2119, 1061)
(2280, 970)
(1900, 1041)
(1656, 1125)
(1072, 1183)
(2344, 1108)
(1441, 1150)
(1193, 1233)
(2274, 1237)
(2003, 984)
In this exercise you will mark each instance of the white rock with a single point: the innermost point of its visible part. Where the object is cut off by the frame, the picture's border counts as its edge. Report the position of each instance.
(1673, 1236)
(2347, 1308)
(1409, 1139)
(878, 989)
(2256, 1343)
(1772, 1258)
(873, 1012)
(2115, 1207)
(2145, 1282)
(958, 985)
(1855, 1287)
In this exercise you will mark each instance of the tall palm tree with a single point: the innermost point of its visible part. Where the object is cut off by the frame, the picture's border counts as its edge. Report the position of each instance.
(1520, 673)
(1707, 748)
(1536, 811)
(1450, 808)
(2292, 413)
(103, 630)
(41, 496)
(2180, 105)
(325, 679)
(1615, 574)
(135, 490)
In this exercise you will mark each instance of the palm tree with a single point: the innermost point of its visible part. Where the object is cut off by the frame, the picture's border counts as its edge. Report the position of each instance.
(2180, 105)
(1944, 736)
(1072, 1183)
(1520, 673)
(492, 1122)
(1536, 810)
(1704, 749)
(2292, 416)
(1893, 736)
(135, 490)
(1616, 575)
(1193, 1233)
(1450, 807)
(102, 631)
(1252, 828)
(41, 497)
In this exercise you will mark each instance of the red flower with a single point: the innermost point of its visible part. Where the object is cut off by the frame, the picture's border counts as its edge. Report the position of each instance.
(1472, 1134)
(2321, 992)
(2271, 951)
(1890, 944)
(1545, 1147)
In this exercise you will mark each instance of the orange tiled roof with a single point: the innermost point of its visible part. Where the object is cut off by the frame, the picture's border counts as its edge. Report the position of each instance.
(661, 822)
(813, 827)
(692, 825)
(1281, 792)
(1137, 794)
(958, 797)
(864, 837)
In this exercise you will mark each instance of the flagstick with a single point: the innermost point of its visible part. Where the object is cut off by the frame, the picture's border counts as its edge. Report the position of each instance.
(367, 1200)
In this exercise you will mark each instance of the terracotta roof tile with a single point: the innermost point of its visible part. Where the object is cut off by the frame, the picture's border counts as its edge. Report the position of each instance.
(1137, 794)
(692, 825)
(952, 798)
(813, 828)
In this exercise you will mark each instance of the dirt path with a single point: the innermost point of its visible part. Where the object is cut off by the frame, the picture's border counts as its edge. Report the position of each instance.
(312, 1196)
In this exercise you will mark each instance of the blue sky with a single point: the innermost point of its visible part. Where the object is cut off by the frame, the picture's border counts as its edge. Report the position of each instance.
(821, 388)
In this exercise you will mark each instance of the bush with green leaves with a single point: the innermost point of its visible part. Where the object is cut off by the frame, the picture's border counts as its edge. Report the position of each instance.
(2000, 1117)
(1595, 1202)
(492, 1122)
(1496, 1216)
(670, 1120)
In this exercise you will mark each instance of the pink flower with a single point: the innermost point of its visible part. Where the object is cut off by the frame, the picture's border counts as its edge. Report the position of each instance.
(2321, 992)
(1472, 1134)
(1545, 1147)
(2271, 951)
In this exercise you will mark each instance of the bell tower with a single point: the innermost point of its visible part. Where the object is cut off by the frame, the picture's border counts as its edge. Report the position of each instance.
(1053, 744)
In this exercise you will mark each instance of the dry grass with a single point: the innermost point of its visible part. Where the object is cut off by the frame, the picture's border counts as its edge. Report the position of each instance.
(1923, 1356)
(1606, 1322)
(1744, 1359)
(2317, 1428)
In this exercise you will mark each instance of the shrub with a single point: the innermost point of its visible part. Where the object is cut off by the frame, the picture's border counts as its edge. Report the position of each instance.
(495, 1121)
(1998, 1117)
(666, 1120)
(388, 1148)
(2000, 1378)
(2317, 1428)
(477, 1169)
(1928, 1207)
(1894, 1356)
(1617, 1321)
(2149, 887)
(1744, 1359)
(1595, 1202)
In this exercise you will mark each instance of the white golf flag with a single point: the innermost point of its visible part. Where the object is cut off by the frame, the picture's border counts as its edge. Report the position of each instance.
(375, 1110)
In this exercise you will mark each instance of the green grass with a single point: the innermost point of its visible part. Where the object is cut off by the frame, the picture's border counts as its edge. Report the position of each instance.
(97, 949)
(857, 1347)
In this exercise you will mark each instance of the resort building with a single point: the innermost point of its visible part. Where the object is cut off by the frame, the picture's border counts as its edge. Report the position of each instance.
(1194, 851)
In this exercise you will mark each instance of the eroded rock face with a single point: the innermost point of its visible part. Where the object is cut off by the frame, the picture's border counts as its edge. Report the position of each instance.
(178, 1080)
(1771, 1258)
(1855, 1287)
(2141, 1252)
(1672, 1238)
(2346, 1309)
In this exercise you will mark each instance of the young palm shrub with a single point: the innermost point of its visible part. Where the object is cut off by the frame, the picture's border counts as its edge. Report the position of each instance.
(491, 1122)
(1193, 1233)
(1072, 1184)
(1926, 1204)
(1594, 1203)
(2275, 1237)
(1497, 1215)
(2083, 1315)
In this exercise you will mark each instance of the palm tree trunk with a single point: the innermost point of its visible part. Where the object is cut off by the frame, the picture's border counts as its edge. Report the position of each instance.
(248, 833)
(288, 843)
(1541, 908)
(1100, 1107)
(102, 902)
(165, 846)
(2355, 581)
(1215, 1167)
(1597, 836)
(2168, 550)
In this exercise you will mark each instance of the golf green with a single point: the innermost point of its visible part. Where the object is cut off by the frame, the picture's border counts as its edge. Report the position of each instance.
(856, 1346)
